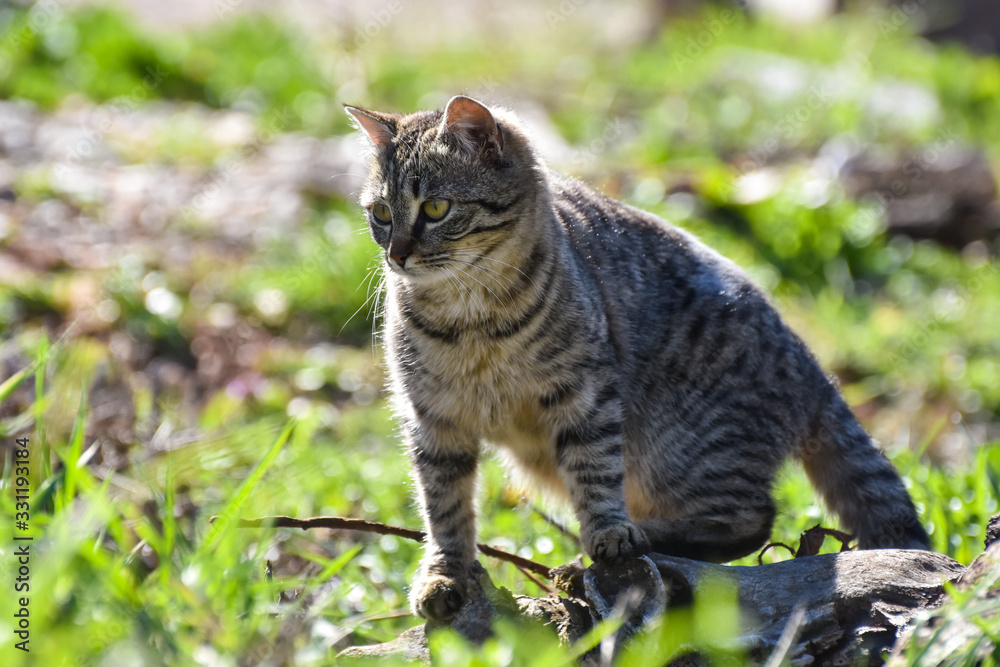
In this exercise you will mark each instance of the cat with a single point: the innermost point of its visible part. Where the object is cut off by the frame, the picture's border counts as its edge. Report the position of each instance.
(611, 358)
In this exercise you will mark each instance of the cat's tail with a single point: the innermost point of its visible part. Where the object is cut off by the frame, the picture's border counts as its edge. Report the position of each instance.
(858, 482)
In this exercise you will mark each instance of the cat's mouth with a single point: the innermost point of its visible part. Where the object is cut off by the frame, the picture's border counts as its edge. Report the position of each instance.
(423, 268)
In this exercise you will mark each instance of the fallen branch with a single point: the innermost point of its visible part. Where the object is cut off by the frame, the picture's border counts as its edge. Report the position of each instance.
(341, 523)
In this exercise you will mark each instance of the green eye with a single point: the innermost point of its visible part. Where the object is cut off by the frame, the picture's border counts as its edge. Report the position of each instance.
(435, 209)
(382, 213)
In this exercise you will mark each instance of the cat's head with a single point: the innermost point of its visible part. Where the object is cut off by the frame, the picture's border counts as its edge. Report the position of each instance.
(445, 187)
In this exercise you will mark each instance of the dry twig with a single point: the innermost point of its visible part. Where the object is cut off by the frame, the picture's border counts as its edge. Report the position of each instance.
(342, 523)
(810, 542)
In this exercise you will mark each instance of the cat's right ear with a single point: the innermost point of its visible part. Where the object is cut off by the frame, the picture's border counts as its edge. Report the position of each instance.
(379, 129)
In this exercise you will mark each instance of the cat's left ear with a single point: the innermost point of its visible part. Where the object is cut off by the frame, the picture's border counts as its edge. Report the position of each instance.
(471, 124)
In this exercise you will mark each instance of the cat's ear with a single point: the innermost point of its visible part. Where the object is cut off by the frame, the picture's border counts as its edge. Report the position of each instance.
(471, 124)
(379, 129)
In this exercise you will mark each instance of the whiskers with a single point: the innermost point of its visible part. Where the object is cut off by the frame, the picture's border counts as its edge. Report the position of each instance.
(462, 289)
(374, 298)
(484, 288)
(505, 305)
(500, 286)
(502, 263)
(494, 276)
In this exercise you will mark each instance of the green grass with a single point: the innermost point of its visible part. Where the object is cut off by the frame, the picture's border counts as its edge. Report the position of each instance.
(101, 54)
(129, 559)
(127, 465)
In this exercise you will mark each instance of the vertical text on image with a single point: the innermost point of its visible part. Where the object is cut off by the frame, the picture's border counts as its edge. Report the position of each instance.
(22, 552)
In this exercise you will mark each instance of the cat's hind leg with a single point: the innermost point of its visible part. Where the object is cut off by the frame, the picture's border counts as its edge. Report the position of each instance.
(859, 483)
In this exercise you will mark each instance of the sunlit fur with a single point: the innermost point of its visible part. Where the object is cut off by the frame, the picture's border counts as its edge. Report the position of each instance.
(610, 357)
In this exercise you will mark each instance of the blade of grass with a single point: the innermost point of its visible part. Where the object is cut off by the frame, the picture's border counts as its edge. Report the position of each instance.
(169, 524)
(559, 655)
(338, 563)
(981, 482)
(226, 519)
(71, 458)
(41, 365)
(18, 424)
(921, 450)
(14, 381)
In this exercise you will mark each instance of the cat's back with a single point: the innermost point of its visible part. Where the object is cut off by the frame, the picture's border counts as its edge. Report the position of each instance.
(700, 344)
(650, 272)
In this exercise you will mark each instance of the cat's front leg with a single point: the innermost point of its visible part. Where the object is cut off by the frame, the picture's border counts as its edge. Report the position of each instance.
(444, 464)
(589, 453)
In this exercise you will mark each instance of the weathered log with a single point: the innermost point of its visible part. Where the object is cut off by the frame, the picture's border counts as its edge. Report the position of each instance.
(959, 633)
(853, 604)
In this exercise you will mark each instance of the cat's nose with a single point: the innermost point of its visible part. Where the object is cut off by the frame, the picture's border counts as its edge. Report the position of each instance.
(399, 249)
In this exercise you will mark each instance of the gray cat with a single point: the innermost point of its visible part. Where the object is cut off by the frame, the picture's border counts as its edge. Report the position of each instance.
(613, 359)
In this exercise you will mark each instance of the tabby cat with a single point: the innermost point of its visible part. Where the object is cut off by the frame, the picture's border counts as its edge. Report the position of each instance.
(613, 359)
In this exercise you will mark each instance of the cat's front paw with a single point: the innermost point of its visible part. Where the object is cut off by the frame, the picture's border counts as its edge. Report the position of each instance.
(437, 597)
(618, 542)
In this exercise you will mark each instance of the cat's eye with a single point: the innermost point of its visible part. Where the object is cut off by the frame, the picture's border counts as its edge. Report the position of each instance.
(435, 209)
(382, 213)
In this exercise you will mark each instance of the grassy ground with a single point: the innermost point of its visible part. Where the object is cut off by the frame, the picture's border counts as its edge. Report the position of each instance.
(155, 390)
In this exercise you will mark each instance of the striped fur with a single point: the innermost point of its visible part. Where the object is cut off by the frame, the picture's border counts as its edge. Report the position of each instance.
(611, 358)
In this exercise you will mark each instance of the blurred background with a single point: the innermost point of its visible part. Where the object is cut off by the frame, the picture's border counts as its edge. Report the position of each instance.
(183, 268)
